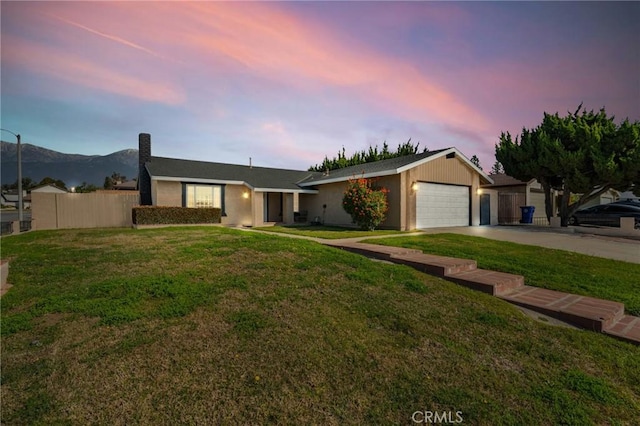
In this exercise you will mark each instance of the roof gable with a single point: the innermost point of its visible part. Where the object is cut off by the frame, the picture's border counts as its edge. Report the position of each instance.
(391, 166)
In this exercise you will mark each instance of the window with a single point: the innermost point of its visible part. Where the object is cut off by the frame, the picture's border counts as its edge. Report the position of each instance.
(200, 196)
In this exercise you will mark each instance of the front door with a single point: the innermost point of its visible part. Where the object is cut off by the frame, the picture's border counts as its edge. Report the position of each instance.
(485, 209)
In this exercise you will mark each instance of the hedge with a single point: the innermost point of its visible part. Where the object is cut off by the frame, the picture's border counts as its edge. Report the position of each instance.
(154, 215)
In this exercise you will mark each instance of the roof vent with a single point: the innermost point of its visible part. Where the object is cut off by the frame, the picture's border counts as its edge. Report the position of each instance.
(250, 163)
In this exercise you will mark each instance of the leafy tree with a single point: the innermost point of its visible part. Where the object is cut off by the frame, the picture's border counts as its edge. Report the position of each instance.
(366, 156)
(476, 161)
(366, 203)
(497, 169)
(51, 181)
(583, 153)
(27, 184)
(113, 180)
(86, 187)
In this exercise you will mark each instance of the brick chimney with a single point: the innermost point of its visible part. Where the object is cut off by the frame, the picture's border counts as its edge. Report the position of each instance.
(144, 180)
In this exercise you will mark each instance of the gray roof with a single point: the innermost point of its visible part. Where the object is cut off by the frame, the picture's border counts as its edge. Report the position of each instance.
(201, 171)
(265, 178)
(377, 168)
(501, 179)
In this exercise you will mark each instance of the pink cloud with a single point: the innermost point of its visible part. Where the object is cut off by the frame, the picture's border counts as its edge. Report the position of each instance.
(74, 69)
(257, 43)
(267, 41)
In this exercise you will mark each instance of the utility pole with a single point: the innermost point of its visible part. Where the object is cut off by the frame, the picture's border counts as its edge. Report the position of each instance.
(20, 200)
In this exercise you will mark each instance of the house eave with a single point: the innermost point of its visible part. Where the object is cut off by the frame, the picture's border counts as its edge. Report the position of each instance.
(198, 180)
(287, 191)
(346, 178)
(232, 182)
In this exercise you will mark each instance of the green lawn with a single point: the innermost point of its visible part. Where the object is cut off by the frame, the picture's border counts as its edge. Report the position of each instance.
(548, 268)
(327, 232)
(208, 325)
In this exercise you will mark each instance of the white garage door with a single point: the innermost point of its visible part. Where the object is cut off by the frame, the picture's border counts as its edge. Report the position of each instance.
(441, 205)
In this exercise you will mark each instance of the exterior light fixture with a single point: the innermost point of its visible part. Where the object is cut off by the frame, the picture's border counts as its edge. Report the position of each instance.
(479, 191)
(414, 186)
(245, 195)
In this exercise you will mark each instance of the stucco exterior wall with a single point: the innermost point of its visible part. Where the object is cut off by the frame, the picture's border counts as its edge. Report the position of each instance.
(166, 194)
(237, 208)
(331, 195)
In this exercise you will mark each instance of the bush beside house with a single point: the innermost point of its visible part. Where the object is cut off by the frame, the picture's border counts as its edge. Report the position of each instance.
(154, 215)
(366, 203)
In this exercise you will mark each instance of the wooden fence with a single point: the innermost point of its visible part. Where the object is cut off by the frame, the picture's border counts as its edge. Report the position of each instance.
(103, 209)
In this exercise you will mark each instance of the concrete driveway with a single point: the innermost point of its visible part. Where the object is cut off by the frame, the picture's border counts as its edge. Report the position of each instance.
(627, 250)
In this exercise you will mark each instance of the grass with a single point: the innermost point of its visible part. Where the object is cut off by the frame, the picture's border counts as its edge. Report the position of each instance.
(218, 326)
(327, 232)
(542, 267)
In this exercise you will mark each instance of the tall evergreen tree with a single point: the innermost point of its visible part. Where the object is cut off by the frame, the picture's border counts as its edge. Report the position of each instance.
(497, 168)
(476, 161)
(583, 153)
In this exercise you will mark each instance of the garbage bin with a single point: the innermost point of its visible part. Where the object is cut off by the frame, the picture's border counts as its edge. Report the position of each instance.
(527, 214)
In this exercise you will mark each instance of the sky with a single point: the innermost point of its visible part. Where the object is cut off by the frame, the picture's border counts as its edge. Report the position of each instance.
(288, 83)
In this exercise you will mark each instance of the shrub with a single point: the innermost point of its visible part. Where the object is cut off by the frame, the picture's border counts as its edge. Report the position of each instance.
(154, 215)
(366, 203)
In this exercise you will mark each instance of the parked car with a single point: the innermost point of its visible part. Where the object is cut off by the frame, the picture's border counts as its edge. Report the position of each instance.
(628, 202)
(606, 214)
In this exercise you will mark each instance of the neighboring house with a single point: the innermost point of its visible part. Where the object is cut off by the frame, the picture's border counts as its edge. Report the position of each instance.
(628, 195)
(10, 198)
(129, 185)
(513, 194)
(605, 198)
(51, 188)
(432, 189)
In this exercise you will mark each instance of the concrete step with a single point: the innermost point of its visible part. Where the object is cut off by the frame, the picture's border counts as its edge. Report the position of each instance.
(491, 282)
(373, 250)
(627, 329)
(435, 265)
(586, 312)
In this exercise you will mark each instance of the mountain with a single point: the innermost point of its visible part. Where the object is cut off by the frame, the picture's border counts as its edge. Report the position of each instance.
(72, 169)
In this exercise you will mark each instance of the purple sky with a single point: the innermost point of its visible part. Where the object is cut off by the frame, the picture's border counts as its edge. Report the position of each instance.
(288, 83)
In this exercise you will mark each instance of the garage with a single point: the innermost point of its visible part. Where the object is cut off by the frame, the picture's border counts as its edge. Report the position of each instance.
(439, 205)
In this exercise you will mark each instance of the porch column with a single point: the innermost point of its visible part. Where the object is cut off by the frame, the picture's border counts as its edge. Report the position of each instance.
(257, 208)
(287, 209)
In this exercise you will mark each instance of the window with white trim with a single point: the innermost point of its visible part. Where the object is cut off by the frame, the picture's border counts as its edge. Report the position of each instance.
(199, 196)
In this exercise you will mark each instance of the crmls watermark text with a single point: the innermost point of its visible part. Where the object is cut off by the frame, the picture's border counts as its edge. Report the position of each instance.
(437, 417)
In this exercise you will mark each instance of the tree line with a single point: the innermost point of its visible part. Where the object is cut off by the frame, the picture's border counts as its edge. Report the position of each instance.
(28, 184)
(366, 156)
